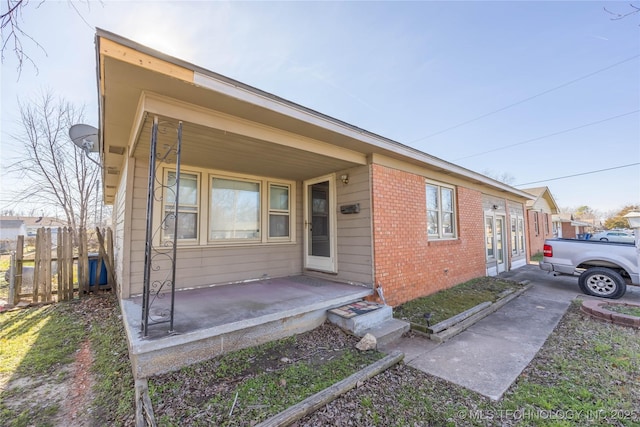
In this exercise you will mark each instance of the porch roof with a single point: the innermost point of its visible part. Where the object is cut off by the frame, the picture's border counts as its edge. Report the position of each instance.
(230, 125)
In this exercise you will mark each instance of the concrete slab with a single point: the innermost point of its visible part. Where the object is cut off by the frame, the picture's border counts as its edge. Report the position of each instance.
(413, 346)
(216, 320)
(489, 356)
(527, 319)
(485, 364)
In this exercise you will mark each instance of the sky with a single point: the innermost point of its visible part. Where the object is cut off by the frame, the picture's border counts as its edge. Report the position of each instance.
(530, 91)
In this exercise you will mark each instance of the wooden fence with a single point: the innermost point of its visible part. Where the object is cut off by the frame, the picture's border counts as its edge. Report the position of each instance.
(62, 271)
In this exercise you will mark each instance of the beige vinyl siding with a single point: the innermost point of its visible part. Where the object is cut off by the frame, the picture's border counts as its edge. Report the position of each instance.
(119, 222)
(354, 230)
(209, 265)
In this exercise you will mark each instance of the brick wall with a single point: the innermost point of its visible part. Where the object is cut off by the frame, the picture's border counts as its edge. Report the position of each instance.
(568, 231)
(536, 241)
(406, 264)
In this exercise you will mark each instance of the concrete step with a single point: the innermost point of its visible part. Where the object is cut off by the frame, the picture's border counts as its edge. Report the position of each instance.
(363, 321)
(387, 331)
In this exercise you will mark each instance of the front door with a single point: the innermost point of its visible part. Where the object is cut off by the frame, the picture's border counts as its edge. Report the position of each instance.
(320, 224)
(500, 244)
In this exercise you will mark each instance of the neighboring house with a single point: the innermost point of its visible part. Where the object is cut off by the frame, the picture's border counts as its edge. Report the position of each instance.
(13, 226)
(566, 227)
(10, 229)
(269, 188)
(540, 213)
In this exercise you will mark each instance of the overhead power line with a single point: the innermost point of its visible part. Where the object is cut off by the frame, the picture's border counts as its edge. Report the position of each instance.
(527, 99)
(579, 174)
(504, 147)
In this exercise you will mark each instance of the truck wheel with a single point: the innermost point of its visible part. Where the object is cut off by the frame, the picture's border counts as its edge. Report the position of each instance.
(602, 282)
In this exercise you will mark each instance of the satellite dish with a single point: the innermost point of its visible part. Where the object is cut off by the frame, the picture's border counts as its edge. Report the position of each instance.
(85, 137)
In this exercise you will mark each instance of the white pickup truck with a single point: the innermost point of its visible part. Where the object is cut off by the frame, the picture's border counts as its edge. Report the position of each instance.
(604, 268)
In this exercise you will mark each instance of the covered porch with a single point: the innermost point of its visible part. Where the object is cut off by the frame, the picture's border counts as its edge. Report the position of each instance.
(215, 320)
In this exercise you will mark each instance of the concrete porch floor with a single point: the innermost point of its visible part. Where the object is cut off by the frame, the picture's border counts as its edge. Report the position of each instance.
(219, 319)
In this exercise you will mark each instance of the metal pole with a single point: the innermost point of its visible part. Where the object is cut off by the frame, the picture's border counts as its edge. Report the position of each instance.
(149, 233)
(175, 225)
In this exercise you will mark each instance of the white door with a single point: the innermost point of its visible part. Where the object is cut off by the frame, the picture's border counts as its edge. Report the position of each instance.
(320, 224)
(500, 244)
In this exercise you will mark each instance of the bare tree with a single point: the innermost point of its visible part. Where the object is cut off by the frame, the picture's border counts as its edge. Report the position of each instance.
(13, 34)
(53, 171)
(503, 177)
(616, 16)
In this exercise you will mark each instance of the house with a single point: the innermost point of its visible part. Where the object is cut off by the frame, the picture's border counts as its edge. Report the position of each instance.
(565, 226)
(540, 212)
(10, 229)
(270, 189)
(13, 226)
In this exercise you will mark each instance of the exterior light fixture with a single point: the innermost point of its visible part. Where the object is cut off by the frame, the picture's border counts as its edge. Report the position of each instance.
(344, 178)
(634, 219)
(634, 222)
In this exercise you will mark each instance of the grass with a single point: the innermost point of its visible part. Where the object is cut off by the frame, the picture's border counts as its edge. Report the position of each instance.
(538, 257)
(255, 378)
(587, 373)
(37, 346)
(629, 310)
(35, 343)
(38, 340)
(449, 302)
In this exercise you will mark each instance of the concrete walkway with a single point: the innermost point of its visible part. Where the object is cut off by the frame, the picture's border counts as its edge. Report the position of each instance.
(490, 355)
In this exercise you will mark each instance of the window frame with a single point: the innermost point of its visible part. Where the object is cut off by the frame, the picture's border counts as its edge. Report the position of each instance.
(521, 235)
(440, 212)
(203, 210)
(161, 217)
(210, 240)
(514, 235)
(278, 212)
(546, 223)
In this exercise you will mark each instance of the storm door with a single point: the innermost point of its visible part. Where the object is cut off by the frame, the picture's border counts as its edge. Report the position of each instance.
(320, 224)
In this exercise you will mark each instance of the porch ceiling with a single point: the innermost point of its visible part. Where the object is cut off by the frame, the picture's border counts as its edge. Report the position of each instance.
(210, 148)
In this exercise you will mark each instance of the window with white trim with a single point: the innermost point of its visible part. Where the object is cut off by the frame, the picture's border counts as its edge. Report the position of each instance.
(231, 209)
(234, 210)
(279, 211)
(188, 206)
(514, 236)
(441, 215)
(488, 233)
(521, 237)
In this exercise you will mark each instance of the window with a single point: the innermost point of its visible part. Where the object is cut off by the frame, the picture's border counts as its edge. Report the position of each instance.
(546, 223)
(488, 227)
(187, 207)
(231, 209)
(536, 228)
(440, 212)
(234, 211)
(279, 211)
(514, 236)
(521, 234)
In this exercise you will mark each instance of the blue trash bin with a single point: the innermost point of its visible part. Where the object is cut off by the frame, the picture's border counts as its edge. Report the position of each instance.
(93, 266)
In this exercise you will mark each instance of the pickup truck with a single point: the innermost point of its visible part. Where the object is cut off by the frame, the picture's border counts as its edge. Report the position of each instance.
(604, 268)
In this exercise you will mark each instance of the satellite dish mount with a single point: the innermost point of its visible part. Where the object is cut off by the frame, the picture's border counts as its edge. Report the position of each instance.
(85, 137)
